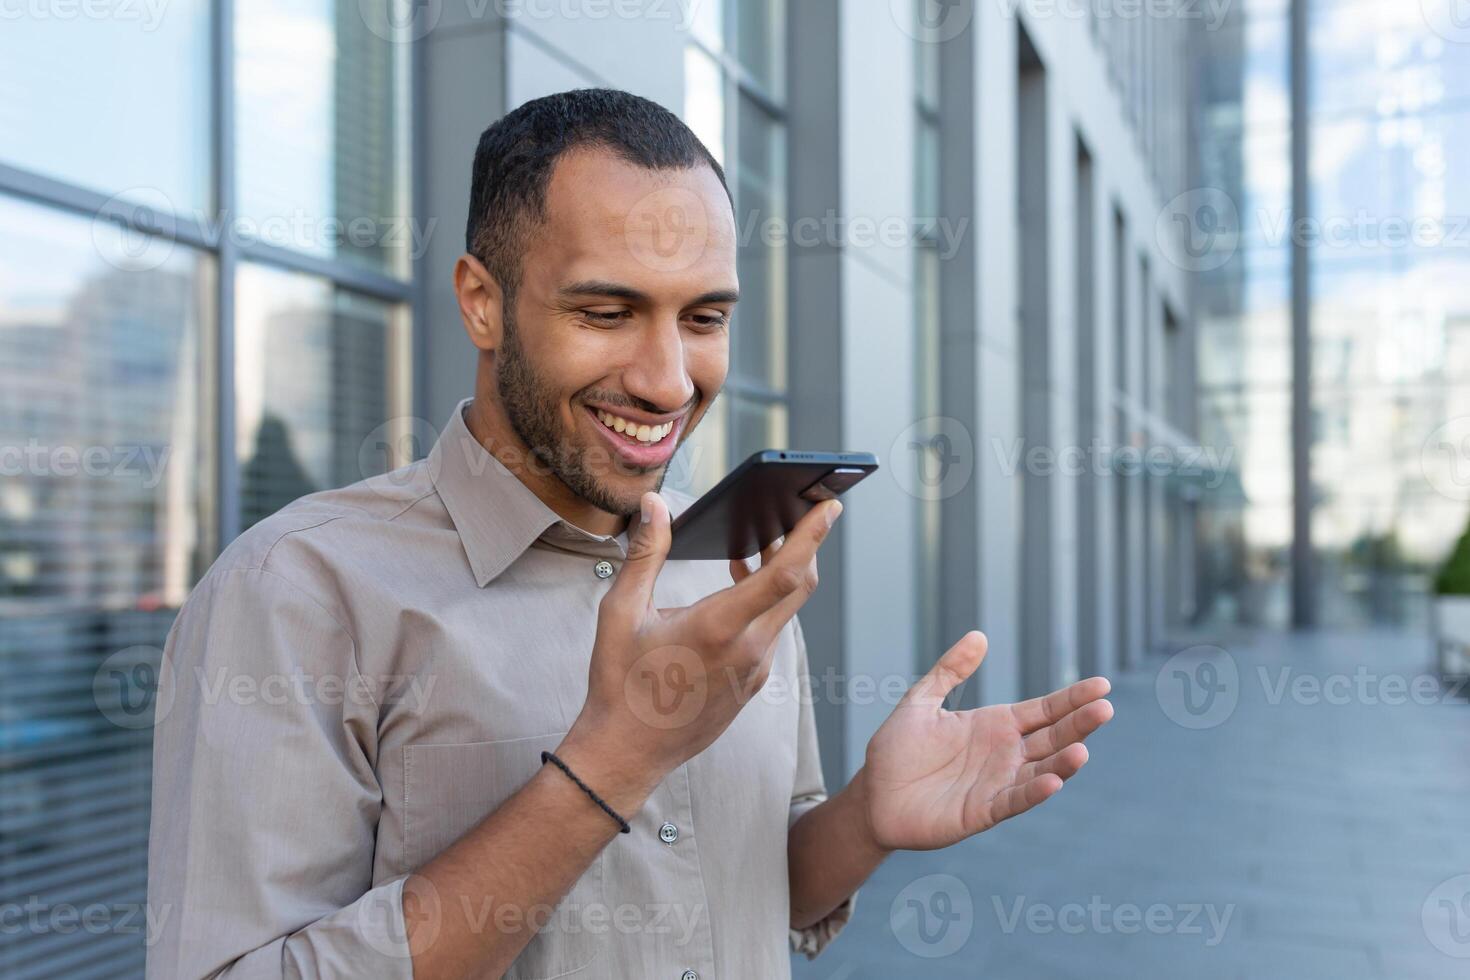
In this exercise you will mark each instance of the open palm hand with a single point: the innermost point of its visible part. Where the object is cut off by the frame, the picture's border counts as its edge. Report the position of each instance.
(935, 777)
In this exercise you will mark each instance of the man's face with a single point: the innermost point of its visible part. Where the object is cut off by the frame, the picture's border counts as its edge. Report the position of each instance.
(620, 321)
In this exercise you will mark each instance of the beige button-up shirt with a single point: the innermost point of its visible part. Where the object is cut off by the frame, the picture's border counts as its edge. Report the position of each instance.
(365, 675)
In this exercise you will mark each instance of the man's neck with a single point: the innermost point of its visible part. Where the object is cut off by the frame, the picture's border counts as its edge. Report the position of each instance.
(487, 422)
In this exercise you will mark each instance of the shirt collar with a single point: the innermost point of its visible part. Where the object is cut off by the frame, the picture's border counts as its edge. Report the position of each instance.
(497, 516)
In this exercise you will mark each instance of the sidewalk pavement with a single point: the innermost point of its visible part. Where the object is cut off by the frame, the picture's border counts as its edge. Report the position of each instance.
(1295, 808)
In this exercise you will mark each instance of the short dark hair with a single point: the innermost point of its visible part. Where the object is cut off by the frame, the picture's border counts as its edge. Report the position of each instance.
(517, 153)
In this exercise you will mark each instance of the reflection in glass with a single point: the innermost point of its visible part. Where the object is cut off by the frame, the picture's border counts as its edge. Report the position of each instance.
(1390, 317)
(704, 101)
(1374, 57)
(759, 40)
(707, 22)
(322, 114)
(319, 371)
(756, 426)
(143, 96)
(703, 458)
(758, 332)
(732, 71)
(104, 517)
(1243, 316)
(927, 353)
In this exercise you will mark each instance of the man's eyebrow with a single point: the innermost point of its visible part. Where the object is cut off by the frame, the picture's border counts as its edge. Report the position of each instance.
(718, 296)
(599, 287)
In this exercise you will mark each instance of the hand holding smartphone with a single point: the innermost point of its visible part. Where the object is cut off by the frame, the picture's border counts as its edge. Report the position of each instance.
(762, 499)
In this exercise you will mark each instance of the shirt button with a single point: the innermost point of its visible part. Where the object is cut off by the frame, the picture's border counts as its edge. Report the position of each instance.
(604, 569)
(668, 833)
(688, 975)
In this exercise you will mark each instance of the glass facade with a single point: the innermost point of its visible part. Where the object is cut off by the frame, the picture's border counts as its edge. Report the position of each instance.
(104, 526)
(1390, 120)
(733, 100)
(318, 370)
(1243, 316)
(145, 96)
(174, 366)
(321, 147)
(1145, 48)
(928, 406)
(1389, 332)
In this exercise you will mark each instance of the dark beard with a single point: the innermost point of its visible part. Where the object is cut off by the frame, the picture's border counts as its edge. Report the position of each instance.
(534, 414)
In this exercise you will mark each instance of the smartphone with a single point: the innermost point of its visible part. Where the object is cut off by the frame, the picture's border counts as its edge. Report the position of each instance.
(762, 499)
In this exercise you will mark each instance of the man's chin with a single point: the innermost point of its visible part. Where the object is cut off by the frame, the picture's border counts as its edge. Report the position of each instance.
(618, 492)
(626, 498)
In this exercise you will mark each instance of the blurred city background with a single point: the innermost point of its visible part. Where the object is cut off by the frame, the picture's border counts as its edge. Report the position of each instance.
(1154, 311)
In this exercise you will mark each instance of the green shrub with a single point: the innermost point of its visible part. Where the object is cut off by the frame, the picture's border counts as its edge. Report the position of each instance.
(1454, 577)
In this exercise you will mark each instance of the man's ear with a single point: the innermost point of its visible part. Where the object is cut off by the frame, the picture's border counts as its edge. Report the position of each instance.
(480, 299)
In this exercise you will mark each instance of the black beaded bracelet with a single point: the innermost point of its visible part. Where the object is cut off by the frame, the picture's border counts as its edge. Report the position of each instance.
(623, 827)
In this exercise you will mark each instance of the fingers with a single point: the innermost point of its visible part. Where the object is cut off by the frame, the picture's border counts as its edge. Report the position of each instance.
(770, 622)
(1065, 764)
(739, 571)
(1038, 781)
(740, 568)
(1048, 710)
(1018, 799)
(789, 571)
(951, 670)
(1074, 727)
(632, 590)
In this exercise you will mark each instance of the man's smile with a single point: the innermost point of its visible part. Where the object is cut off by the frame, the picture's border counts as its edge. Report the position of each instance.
(638, 439)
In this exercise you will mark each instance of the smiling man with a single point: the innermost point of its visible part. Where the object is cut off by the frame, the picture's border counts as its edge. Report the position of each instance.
(519, 741)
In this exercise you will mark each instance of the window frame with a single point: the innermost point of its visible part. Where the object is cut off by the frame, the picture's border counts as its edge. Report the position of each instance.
(229, 250)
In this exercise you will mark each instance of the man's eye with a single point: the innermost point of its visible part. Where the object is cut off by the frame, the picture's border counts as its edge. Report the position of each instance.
(709, 321)
(606, 317)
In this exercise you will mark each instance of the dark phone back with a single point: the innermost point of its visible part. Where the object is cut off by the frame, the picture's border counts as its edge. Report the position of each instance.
(758, 502)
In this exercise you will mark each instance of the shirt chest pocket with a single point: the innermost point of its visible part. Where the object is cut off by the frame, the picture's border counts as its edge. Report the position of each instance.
(448, 789)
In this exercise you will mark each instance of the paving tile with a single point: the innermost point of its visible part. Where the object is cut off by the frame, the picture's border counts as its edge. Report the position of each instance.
(1323, 828)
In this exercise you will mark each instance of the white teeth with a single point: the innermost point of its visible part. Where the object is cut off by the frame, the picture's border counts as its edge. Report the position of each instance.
(634, 430)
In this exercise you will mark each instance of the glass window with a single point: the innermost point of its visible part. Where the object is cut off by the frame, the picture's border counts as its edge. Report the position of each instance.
(1382, 57)
(928, 403)
(322, 110)
(109, 357)
(136, 83)
(757, 426)
(732, 84)
(704, 101)
(104, 525)
(704, 457)
(758, 334)
(1388, 307)
(708, 23)
(1243, 319)
(760, 42)
(318, 371)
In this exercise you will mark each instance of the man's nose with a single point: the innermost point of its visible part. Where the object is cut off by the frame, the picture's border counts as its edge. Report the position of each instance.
(658, 374)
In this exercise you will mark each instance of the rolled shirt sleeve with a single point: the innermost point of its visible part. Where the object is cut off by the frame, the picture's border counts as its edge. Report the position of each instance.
(809, 790)
(265, 799)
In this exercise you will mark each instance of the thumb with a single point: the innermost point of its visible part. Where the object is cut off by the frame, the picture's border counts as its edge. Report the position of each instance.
(951, 670)
(648, 547)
